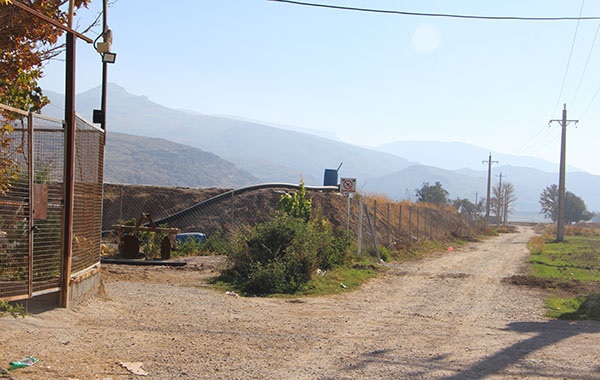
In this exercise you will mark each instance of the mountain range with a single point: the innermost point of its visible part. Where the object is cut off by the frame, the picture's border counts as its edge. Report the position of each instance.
(148, 143)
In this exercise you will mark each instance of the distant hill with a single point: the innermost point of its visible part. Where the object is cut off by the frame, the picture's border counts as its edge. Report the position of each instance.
(150, 161)
(402, 184)
(247, 151)
(269, 153)
(458, 155)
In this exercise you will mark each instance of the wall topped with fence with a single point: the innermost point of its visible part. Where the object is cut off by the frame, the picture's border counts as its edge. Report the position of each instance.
(372, 221)
(32, 203)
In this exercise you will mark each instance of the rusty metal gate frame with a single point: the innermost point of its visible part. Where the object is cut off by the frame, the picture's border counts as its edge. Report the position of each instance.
(32, 210)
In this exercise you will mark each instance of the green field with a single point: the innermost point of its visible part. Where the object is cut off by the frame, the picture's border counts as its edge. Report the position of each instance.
(577, 258)
(572, 266)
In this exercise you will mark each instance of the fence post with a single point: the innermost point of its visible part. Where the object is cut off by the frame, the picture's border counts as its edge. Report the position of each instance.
(429, 219)
(360, 225)
(373, 231)
(389, 232)
(410, 223)
(348, 214)
(399, 221)
(30, 217)
(418, 227)
(232, 209)
(374, 215)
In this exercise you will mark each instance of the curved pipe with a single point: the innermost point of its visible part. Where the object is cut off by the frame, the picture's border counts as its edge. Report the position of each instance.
(241, 190)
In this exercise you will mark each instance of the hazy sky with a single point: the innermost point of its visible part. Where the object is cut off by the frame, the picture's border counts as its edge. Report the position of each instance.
(368, 78)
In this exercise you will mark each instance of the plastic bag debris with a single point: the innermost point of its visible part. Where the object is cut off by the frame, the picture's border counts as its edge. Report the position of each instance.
(134, 367)
(27, 362)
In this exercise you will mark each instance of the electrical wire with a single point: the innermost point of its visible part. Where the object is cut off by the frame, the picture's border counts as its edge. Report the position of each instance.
(532, 145)
(527, 145)
(562, 87)
(587, 61)
(590, 105)
(446, 15)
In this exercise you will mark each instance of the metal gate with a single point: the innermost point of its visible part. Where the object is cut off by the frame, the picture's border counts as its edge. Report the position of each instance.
(31, 206)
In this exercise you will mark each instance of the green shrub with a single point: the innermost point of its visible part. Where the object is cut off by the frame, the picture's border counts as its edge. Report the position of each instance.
(15, 310)
(280, 256)
(189, 247)
(297, 205)
(216, 244)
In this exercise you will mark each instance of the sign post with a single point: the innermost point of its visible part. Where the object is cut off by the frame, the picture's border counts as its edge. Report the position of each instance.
(347, 187)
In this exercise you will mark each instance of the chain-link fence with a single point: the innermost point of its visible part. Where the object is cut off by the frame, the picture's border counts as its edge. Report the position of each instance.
(373, 222)
(32, 202)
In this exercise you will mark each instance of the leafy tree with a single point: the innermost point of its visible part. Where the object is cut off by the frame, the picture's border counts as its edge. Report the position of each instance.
(435, 194)
(8, 168)
(549, 202)
(502, 199)
(465, 205)
(509, 199)
(26, 42)
(575, 208)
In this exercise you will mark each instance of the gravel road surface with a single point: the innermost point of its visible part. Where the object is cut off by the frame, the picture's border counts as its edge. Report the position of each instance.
(449, 316)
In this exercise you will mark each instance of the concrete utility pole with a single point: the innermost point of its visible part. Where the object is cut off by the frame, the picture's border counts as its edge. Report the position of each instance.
(560, 221)
(489, 189)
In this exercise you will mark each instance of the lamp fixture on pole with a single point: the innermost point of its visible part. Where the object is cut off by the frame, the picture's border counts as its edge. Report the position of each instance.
(99, 116)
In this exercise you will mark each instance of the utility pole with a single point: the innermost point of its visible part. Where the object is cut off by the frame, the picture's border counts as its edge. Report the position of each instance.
(560, 221)
(499, 200)
(489, 189)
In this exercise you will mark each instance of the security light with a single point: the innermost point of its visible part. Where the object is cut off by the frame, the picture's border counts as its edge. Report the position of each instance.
(109, 57)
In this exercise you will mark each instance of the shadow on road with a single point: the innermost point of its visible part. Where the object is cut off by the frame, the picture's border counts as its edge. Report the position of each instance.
(546, 334)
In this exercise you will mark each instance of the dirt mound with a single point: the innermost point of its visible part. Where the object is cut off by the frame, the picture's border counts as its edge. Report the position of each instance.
(569, 286)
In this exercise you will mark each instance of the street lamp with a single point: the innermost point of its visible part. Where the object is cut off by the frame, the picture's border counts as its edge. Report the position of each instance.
(99, 116)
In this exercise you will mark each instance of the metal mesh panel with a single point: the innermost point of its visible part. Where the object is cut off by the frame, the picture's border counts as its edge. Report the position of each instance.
(32, 208)
(87, 208)
(48, 194)
(15, 279)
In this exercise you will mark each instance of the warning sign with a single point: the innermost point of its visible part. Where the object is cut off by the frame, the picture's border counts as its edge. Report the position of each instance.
(347, 185)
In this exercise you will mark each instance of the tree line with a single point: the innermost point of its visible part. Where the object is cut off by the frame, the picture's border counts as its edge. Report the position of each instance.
(502, 200)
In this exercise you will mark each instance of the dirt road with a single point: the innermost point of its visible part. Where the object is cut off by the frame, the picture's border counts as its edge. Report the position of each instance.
(445, 317)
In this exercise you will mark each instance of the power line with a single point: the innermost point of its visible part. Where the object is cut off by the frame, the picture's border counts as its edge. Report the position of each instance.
(591, 102)
(587, 61)
(533, 141)
(543, 142)
(445, 15)
(562, 87)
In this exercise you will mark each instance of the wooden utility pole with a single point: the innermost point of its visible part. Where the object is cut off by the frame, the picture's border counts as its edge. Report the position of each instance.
(489, 189)
(560, 221)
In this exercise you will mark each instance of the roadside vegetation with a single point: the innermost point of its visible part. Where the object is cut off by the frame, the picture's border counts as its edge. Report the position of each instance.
(15, 310)
(572, 267)
(299, 252)
(284, 254)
